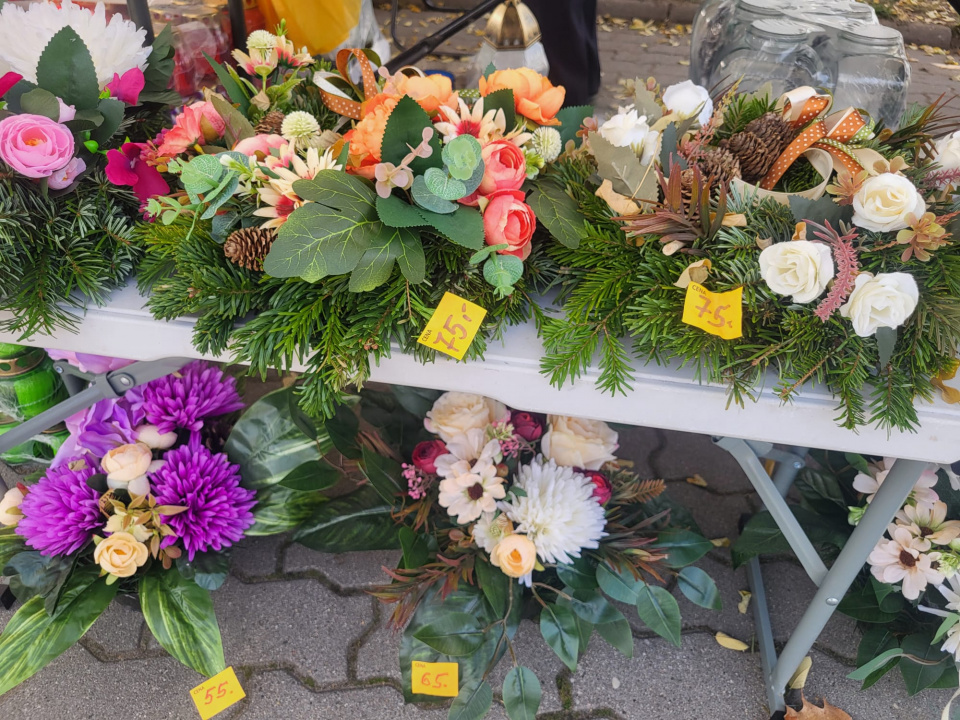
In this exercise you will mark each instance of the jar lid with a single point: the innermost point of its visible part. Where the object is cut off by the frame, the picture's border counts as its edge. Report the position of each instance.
(765, 8)
(872, 35)
(778, 29)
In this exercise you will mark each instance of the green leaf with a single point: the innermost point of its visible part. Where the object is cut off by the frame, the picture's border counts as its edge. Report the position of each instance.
(405, 128)
(494, 584)
(558, 213)
(220, 194)
(209, 570)
(819, 211)
(879, 661)
(112, 112)
(592, 606)
(237, 127)
(948, 622)
(489, 70)
(280, 510)
(502, 100)
(821, 492)
(858, 462)
(427, 200)
(444, 186)
(390, 246)
(521, 694)
(618, 634)
(861, 604)
(660, 612)
(66, 69)
(502, 271)
(571, 119)
(160, 64)
(621, 585)
(462, 157)
(683, 547)
(919, 677)
(558, 626)
(41, 102)
(886, 342)
(32, 638)
(416, 552)
(622, 168)
(358, 521)
(180, 615)
(383, 474)
(464, 225)
(200, 175)
(580, 575)
(394, 212)
(699, 588)
(455, 634)
(10, 544)
(584, 632)
(343, 428)
(873, 643)
(472, 703)
(352, 196)
(234, 91)
(36, 574)
(312, 476)
(646, 103)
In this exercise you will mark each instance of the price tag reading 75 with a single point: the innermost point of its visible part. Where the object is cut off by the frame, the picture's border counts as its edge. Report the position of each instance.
(719, 314)
(453, 326)
(439, 679)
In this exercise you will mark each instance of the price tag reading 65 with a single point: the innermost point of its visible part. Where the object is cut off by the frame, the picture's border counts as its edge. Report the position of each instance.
(440, 679)
(217, 694)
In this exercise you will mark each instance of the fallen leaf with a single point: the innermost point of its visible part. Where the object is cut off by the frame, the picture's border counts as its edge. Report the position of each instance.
(731, 643)
(683, 62)
(947, 65)
(620, 204)
(744, 603)
(721, 542)
(949, 394)
(799, 678)
(697, 479)
(809, 711)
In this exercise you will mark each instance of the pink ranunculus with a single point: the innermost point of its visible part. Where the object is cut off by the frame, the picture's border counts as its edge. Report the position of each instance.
(425, 455)
(85, 362)
(504, 168)
(8, 80)
(529, 426)
(65, 176)
(127, 167)
(198, 123)
(127, 88)
(34, 146)
(259, 146)
(508, 219)
(67, 112)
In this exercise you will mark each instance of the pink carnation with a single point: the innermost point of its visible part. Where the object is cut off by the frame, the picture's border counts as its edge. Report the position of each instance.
(197, 123)
(35, 146)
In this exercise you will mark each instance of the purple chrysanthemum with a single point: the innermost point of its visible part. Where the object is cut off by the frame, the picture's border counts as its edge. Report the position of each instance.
(61, 512)
(208, 485)
(182, 400)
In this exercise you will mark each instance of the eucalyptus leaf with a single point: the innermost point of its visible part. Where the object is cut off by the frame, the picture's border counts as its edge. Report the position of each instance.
(503, 271)
(444, 186)
(462, 157)
(521, 694)
(427, 200)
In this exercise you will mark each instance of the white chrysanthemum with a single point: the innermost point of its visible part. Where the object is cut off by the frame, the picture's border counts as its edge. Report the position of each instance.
(546, 142)
(261, 40)
(115, 46)
(558, 512)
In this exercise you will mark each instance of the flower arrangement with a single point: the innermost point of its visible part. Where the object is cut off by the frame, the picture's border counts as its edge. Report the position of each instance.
(142, 501)
(335, 215)
(837, 232)
(73, 84)
(906, 598)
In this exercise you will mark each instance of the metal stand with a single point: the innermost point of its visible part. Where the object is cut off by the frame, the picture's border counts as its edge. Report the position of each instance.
(833, 583)
(410, 55)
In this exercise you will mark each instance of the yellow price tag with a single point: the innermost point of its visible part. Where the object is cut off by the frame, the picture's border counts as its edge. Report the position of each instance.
(716, 313)
(217, 694)
(453, 326)
(440, 679)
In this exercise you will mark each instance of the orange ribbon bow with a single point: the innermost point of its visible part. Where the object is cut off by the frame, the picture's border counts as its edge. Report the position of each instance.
(343, 106)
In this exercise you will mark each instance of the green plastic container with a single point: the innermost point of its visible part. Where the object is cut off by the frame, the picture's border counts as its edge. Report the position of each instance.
(28, 386)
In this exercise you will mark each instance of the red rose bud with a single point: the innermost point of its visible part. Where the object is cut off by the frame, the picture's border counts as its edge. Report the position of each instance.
(425, 455)
(602, 489)
(529, 426)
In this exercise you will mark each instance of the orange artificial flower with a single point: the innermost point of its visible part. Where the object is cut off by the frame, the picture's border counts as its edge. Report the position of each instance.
(535, 97)
(367, 136)
(431, 91)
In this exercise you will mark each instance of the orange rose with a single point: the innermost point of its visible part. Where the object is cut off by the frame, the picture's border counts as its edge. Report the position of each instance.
(431, 91)
(535, 97)
(367, 136)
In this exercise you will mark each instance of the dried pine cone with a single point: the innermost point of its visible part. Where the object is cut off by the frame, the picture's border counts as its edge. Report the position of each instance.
(270, 123)
(248, 247)
(719, 165)
(773, 130)
(755, 154)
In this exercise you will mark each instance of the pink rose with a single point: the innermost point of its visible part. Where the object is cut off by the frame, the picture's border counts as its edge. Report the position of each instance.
(34, 146)
(65, 176)
(85, 362)
(126, 166)
(198, 123)
(425, 455)
(260, 146)
(508, 219)
(529, 426)
(504, 168)
(127, 88)
(602, 489)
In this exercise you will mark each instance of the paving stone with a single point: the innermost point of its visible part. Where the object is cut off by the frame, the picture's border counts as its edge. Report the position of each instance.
(346, 570)
(378, 657)
(257, 556)
(729, 619)
(717, 515)
(116, 632)
(299, 624)
(687, 454)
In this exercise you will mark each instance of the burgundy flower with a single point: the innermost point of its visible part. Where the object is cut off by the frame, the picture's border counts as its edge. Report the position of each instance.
(602, 488)
(127, 89)
(529, 426)
(425, 455)
(126, 167)
(8, 80)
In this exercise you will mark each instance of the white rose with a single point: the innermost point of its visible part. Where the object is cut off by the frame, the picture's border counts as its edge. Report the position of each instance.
(799, 268)
(575, 442)
(153, 439)
(886, 300)
(947, 151)
(688, 100)
(884, 202)
(628, 129)
(11, 501)
(454, 413)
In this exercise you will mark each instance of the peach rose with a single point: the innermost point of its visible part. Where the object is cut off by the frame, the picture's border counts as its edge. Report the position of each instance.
(515, 555)
(504, 168)
(431, 92)
(121, 554)
(508, 219)
(534, 96)
(367, 136)
(126, 464)
(10, 507)
(151, 436)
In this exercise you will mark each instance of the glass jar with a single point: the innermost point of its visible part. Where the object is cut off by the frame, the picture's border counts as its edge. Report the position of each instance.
(873, 72)
(774, 51)
(745, 13)
(706, 38)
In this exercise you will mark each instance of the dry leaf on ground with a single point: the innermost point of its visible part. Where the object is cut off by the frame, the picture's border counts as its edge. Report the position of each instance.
(731, 643)
(697, 479)
(809, 711)
(744, 603)
(720, 542)
(799, 678)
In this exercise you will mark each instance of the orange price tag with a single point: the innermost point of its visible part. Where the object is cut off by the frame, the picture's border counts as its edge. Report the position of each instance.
(716, 313)
(453, 326)
(217, 694)
(440, 679)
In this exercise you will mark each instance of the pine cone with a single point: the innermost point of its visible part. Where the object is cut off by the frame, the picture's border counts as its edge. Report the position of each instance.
(248, 247)
(270, 123)
(756, 156)
(719, 166)
(773, 130)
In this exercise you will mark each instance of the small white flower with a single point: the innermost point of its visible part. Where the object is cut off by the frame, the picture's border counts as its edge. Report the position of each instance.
(546, 143)
(629, 129)
(905, 558)
(468, 490)
(688, 100)
(261, 40)
(490, 529)
(947, 152)
(884, 201)
(886, 300)
(799, 268)
(922, 494)
(952, 643)
(474, 445)
(10, 507)
(301, 129)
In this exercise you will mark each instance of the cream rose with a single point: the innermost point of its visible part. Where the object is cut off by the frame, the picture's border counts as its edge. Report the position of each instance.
(575, 442)
(126, 465)
(515, 555)
(9, 507)
(884, 201)
(886, 300)
(454, 413)
(630, 129)
(689, 100)
(121, 554)
(150, 436)
(799, 268)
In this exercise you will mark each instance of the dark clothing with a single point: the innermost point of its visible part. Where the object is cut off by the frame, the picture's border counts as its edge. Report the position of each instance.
(569, 29)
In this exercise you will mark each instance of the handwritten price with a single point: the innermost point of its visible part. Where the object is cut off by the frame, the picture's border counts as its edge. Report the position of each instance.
(217, 694)
(440, 679)
(453, 326)
(719, 314)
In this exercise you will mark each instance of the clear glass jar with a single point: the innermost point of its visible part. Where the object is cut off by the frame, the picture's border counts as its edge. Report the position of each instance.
(873, 72)
(774, 51)
(745, 12)
(706, 37)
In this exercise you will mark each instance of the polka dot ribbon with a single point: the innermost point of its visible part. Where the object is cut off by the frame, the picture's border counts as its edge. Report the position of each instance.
(833, 133)
(343, 106)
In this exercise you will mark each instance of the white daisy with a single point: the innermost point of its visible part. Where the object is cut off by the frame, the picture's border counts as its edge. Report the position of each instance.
(469, 490)
(952, 643)
(490, 529)
(922, 494)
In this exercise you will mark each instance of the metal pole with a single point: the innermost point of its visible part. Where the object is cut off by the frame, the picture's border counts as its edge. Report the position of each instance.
(139, 13)
(238, 24)
(48, 418)
(430, 43)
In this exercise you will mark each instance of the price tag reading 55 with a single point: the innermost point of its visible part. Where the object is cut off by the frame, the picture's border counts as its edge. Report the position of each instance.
(453, 326)
(217, 694)
(440, 679)
(719, 314)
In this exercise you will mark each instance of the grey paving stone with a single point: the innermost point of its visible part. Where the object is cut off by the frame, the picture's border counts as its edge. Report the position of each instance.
(729, 620)
(378, 657)
(345, 570)
(717, 515)
(636, 445)
(298, 624)
(257, 556)
(116, 632)
(687, 454)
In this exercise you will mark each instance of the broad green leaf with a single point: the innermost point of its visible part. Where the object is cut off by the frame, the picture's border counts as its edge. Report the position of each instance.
(521, 694)
(352, 196)
(36, 574)
(683, 547)
(464, 225)
(41, 102)
(411, 258)
(160, 64)
(10, 544)
(502, 100)
(416, 552)
(209, 570)
(393, 211)
(343, 428)
(472, 703)
(571, 118)
(820, 210)
(455, 634)
(584, 631)
(659, 611)
(821, 492)
(878, 662)
(427, 200)
(358, 521)
(621, 585)
(558, 213)
(383, 474)
(580, 575)
(886, 342)
(112, 112)
(699, 588)
(280, 510)
(312, 476)
(32, 638)
(495, 585)
(66, 69)
(180, 615)
(861, 604)
(618, 634)
(858, 462)
(592, 606)
(874, 642)
(558, 626)
(888, 596)
(919, 677)
(404, 130)
(237, 127)
(391, 245)
(234, 90)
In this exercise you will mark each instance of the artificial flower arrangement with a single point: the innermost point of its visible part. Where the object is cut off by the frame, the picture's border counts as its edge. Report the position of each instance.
(837, 232)
(332, 217)
(907, 598)
(73, 84)
(142, 502)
